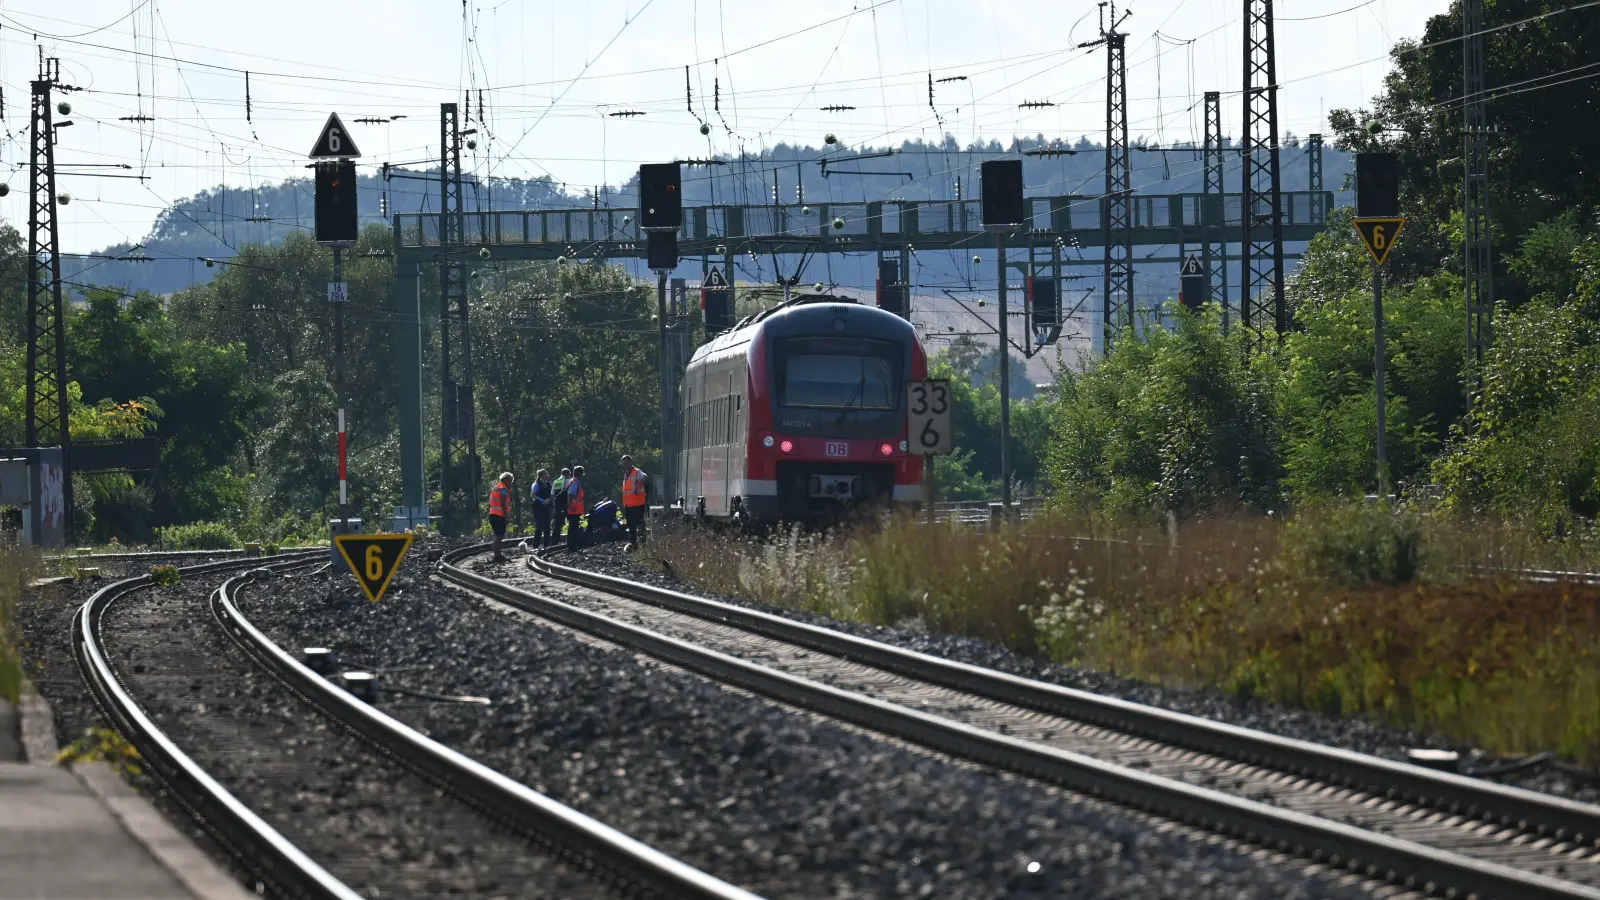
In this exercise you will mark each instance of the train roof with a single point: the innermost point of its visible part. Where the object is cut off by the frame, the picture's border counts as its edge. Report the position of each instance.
(810, 314)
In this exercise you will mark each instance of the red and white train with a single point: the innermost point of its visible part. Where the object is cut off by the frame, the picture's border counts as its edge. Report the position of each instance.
(797, 414)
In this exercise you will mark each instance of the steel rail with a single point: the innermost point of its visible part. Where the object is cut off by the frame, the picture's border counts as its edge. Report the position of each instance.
(1541, 814)
(513, 802)
(167, 554)
(1334, 843)
(272, 855)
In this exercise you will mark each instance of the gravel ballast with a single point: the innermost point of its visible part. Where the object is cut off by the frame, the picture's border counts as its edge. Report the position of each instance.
(769, 798)
(1350, 733)
(374, 825)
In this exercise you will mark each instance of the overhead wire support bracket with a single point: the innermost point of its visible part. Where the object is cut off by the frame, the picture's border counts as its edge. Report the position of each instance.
(836, 108)
(825, 161)
(829, 174)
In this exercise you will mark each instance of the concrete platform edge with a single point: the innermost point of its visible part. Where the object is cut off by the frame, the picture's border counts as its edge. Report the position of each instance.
(37, 728)
(196, 871)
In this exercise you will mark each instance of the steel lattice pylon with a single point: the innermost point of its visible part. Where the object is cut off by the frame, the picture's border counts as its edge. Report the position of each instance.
(458, 467)
(1214, 252)
(1314, 168)
(46, 404)
(1116, 218)
(1261, 304)
(1475, 189)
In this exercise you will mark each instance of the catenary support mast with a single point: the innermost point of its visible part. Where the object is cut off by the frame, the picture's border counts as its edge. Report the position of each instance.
(1215, 251)
(1117, 304)
(458, 464)
(1475, 189)
(46, 405)
(1263, 309)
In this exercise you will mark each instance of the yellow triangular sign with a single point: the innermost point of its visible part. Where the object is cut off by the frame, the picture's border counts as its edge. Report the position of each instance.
(1379, 234)
(373, 559)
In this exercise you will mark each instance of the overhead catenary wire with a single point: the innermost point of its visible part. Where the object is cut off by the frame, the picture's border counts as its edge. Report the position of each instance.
(250, 161)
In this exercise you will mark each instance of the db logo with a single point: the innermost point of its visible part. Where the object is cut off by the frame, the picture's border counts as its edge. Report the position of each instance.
(836, 448)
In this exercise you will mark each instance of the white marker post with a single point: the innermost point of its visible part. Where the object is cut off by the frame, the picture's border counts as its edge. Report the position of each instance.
(344, 494)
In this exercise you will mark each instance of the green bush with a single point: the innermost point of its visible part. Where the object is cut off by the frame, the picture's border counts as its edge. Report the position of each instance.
(199, 536)
(122, 509)
(164, 575)
(1355, 543)
(1180, 420)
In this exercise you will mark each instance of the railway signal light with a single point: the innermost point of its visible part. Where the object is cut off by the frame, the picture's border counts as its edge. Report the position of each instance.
(660, 196)
(1044, 297)
(336, 202)
(661, 250)
(716, 303)
(1002, 192)
(1377, 185)
(892, 290)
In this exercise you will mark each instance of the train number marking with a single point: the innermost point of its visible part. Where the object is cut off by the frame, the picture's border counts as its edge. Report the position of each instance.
(836, 448)
(928, 416)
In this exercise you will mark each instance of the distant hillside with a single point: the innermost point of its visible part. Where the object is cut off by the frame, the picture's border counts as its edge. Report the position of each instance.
(215, 222)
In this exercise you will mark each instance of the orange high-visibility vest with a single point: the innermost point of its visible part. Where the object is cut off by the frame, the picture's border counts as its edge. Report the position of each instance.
(633, 487)
(574, 497)
(499, 499)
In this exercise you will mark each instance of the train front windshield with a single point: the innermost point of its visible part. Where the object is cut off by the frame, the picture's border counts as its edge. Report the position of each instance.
(838, 373)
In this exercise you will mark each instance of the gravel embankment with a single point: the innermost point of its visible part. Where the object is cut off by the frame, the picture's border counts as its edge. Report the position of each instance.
(766, 797)
(1350, 733)
(373, 824)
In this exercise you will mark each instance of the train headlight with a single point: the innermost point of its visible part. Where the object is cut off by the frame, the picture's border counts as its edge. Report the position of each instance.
(787, 446)
(904, 446)
(886, 450)
(767, 441)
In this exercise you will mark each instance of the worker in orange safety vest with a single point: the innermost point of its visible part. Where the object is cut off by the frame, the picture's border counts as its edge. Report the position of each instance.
(575, 497)
(635, 497)
(499, 506)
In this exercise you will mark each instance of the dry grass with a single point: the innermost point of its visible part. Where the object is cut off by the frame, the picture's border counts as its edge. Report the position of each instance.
(1350, 610)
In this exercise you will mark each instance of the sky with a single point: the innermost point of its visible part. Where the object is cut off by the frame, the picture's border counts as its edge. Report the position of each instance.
(552, 75)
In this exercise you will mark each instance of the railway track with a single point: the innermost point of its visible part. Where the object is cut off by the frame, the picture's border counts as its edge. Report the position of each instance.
(1413, 827)
(403, 836)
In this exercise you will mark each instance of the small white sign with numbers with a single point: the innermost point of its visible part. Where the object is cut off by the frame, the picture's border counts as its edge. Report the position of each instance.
(338, 292)
(928, 417)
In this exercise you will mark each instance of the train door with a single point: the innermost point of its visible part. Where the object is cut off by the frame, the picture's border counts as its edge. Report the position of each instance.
(689, 458)
(726, 429)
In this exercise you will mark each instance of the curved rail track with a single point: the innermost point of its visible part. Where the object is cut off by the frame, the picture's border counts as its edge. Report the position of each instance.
(1413, 827)
(611, 857)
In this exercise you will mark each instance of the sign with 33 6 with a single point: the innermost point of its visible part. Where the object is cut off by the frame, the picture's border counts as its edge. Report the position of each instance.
(928, 416)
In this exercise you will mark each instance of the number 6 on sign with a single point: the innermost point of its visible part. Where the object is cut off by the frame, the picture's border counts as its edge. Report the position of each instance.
(928, 417)
(373, 559)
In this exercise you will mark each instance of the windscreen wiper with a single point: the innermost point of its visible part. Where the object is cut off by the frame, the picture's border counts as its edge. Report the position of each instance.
(861, 388)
